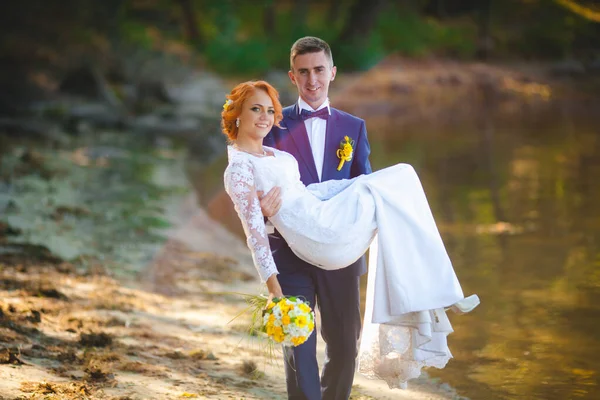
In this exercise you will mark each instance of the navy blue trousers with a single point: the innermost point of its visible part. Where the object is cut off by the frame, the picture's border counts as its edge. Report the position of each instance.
(337, 296)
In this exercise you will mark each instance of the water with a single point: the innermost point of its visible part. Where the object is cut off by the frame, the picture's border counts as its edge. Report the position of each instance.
(516, 200)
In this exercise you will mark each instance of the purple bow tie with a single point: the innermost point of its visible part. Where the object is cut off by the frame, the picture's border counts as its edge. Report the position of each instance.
(322, 113)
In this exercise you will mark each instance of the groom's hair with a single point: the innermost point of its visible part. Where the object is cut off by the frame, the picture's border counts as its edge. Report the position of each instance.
(310, 44)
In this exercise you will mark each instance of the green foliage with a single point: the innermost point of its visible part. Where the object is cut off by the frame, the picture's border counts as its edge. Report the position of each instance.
(361, 55)
(238, 45)
(242, 56)
(412, 35)
(135, 33)
(251, 38)
(108, 210)
(542, 30)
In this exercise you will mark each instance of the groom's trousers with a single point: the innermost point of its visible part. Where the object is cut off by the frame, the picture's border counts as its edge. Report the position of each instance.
(337, 295)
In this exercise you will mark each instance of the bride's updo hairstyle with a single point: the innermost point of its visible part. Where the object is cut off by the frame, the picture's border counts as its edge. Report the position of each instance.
(235, 100)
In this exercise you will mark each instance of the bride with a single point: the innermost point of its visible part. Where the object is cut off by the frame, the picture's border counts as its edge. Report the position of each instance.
(331, 224)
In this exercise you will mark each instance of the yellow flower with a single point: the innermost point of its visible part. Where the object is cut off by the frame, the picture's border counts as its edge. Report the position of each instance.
(345, 152)
(228, 102)
(311, 326)
(271, 319)
(284, 307)
(301, 321)
(277, 334)
(270, 305)
(298, 340)
(285, 320)
(304, 308)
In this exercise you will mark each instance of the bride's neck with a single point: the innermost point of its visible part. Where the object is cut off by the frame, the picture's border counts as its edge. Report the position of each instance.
(248, 146)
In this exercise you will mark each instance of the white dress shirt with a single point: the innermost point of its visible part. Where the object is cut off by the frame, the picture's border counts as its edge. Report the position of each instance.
(316, 129)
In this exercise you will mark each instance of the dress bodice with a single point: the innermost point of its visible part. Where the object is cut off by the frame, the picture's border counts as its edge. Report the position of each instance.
(247, 174)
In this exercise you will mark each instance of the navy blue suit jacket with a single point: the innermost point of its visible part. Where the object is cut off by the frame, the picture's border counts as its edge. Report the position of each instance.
(293, 138)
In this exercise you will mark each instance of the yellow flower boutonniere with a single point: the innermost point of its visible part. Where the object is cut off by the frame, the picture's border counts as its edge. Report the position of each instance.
(228, 102)
(345, 152)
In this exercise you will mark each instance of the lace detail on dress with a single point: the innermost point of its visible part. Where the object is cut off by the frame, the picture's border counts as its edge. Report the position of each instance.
(240, 185)
(397, 353)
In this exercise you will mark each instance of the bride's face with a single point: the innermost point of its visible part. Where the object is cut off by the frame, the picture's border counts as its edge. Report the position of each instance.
(257, 116)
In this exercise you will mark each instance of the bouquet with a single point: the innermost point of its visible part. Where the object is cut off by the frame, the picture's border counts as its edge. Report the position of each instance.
(284, 320)
(288, 321)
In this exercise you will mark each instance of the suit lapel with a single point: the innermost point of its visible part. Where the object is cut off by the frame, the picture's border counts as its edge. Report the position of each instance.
(330, 160)
(297, 130)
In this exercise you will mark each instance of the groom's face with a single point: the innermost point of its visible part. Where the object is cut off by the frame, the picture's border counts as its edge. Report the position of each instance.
(312, 73)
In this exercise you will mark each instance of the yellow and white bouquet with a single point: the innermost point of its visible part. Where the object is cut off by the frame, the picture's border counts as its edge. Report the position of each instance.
(288, 321)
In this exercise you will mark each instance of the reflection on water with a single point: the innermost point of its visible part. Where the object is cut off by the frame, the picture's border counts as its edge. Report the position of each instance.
(516, 201)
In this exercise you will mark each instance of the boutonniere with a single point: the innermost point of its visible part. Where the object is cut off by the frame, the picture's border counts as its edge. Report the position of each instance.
(345, 152)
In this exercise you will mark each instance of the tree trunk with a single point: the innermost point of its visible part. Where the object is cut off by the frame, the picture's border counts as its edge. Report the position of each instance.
(484, 39)
(362, 17)
(189, 20)
(441, 9)
(333, 13)
(300, 13)
(269, 19)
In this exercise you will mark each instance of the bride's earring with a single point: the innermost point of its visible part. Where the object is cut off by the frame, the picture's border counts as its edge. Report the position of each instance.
(237, 122)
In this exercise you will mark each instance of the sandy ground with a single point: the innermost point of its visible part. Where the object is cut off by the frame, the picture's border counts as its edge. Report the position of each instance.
(164, 335)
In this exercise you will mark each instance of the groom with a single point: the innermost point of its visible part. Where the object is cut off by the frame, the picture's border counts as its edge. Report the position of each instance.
(313, 132)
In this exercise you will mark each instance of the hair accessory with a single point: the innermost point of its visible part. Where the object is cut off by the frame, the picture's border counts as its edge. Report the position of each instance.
(228, 102)
(237, 122)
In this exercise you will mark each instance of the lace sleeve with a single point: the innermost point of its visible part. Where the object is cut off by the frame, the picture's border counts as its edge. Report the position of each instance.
(239, 185)
(328, 189)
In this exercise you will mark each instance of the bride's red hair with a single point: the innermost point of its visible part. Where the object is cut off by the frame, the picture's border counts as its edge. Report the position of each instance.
(238, 96)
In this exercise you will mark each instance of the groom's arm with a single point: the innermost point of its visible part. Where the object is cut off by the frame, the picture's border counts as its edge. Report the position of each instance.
(360, 162)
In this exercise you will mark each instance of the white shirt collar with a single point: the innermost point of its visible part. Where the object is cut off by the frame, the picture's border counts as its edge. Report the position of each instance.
(302, 105)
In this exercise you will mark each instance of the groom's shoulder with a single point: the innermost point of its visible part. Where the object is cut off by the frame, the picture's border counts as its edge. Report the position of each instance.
(347, 116)
(287, 111)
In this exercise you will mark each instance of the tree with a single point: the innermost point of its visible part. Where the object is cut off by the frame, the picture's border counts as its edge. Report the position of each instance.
(484, 39)
(583, 11)
(269, 19)
(362, 17)
(191, 24)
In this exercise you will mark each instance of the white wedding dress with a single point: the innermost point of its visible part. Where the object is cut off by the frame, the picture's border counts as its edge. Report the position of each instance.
(333, 223)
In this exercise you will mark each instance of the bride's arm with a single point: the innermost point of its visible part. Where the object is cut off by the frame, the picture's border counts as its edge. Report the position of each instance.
(239, 184)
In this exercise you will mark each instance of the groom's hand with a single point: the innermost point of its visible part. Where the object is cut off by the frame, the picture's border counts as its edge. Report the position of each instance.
(271, 202)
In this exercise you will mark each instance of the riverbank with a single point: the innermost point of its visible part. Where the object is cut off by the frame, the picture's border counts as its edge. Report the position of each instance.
(68, 332)
(72, 335)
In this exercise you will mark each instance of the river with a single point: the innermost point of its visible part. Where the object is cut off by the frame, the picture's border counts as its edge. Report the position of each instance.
(516, 200)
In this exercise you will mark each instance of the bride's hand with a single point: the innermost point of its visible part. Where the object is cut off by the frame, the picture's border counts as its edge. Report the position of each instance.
(273, 287)
(271, 202)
